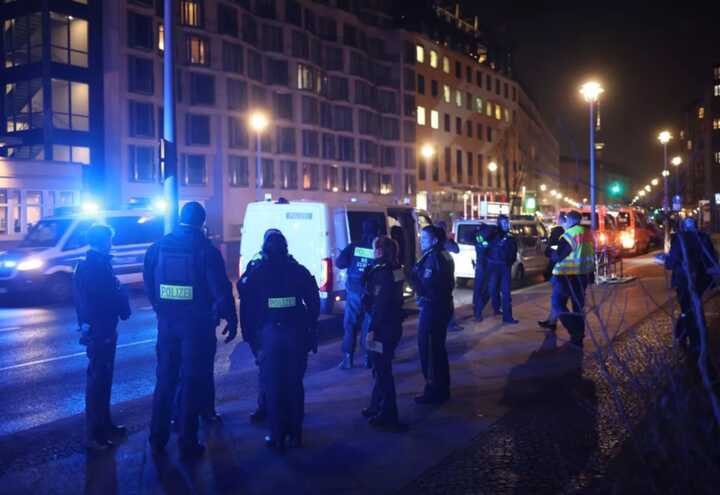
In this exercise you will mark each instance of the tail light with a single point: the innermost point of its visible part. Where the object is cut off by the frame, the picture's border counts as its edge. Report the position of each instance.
(326, 275)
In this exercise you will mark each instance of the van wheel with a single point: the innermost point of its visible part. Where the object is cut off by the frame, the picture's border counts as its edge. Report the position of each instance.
(59, 287)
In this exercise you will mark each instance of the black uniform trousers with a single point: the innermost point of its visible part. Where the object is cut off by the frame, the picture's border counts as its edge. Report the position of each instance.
(570, 287)
(353, 323)
(432, 333)
(283, 361)
(480, 288)
(686, 326)
(383, 401)
(101, 355)
(261, 403)
(183, 346)
(499, 285)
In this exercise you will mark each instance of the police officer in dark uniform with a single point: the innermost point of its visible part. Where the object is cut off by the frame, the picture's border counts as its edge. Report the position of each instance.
(99, 301)
(480, 284)
(556, 234)
(502, 253)
(250, 326)
(433, 280)
(188, 287)
(286, 299)
(693, 261)
(383, 301)
(356, 257)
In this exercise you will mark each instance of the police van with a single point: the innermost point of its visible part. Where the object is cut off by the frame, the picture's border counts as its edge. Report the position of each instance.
(530, 234)
(45, 260)
(316, 233)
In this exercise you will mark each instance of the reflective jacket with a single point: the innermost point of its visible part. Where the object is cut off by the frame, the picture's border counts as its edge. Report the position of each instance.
(581, 258)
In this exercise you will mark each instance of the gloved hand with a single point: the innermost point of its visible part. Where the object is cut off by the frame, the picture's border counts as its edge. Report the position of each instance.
(231, 331)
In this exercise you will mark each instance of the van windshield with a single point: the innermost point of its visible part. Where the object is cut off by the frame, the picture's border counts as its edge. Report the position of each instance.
(45, 233)
(623, 219)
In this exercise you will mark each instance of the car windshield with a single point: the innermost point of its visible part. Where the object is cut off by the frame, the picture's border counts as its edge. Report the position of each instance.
(45, 233)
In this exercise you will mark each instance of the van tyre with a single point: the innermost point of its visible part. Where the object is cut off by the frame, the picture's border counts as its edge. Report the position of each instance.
(59, 287)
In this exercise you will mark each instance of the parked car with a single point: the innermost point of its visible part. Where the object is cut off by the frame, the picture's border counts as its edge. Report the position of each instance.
(531, 237)
(318, 231)
(44, 262)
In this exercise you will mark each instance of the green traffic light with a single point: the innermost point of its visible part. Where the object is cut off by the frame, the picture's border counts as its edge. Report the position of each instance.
(616, 189)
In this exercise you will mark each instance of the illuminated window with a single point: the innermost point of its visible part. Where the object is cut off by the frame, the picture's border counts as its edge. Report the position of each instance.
(478, 104)
(507, 115)
(498, 112)
(23, 105)
(68, 40)
(701, 113)
(716, 124)
(434, 119)
(23, 40)
(306, 77)
(689, 144)
(446, 93)
(161, 37)
(489, 109)
(420, 54)
(446, 65)
(458, 98)
(716, 71)
(191, 13)
(421, 115)
(198, 50)
(717, 90)
(433, 59)
(717, 157)
(70, 105)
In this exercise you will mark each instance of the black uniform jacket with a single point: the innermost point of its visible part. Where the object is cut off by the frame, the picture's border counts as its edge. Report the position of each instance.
(98, 297)
(433, 279)
(383, 300)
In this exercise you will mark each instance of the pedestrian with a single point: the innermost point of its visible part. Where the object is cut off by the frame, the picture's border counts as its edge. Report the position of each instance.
(433, 280)
(501, 254)
(555, 234)
(694, 262)
(480, 284)
(573, 271)
(286, 299)
(355, 258)
(189, 290)
(250, 326)
(99, 301)
(383, 301)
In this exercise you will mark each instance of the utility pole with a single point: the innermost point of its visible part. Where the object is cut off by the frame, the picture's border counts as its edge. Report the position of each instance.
(168, 148)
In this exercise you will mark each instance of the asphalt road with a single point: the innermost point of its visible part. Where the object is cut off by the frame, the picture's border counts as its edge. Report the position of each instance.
(42, 366)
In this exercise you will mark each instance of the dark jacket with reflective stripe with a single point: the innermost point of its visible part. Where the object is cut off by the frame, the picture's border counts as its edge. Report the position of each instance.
(214, 298)
(98, 298)
(433, 279)
(383, 301)
(356, 258)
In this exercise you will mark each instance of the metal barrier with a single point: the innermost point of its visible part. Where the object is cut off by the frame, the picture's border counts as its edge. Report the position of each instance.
(609, 268)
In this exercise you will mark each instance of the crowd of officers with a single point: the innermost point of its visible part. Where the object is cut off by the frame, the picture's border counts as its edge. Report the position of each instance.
(187, 285)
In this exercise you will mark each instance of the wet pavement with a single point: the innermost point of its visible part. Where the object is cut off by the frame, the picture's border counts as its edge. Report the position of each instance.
(526, 414)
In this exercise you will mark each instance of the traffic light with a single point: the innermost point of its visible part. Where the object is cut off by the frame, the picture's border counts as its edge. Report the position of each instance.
(616, 189)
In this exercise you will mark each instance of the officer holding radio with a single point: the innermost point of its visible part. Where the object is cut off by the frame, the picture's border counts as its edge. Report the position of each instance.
(188, 287)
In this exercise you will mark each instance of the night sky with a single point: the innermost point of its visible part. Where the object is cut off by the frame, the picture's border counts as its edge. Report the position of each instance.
(649, 61)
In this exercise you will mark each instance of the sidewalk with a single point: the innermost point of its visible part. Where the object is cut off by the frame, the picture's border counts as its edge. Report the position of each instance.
(342, 454)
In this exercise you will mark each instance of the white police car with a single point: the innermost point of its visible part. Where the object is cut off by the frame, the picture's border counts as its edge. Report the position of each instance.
(45, 260)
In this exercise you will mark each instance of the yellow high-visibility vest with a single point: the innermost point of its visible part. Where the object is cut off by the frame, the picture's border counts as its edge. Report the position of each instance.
(581, 260)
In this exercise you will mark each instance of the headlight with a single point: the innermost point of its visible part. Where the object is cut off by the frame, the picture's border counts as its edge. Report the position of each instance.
(9, 264)
(30, 264)
(628, 240)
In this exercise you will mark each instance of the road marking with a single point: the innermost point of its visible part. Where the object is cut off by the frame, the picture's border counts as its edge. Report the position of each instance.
(9, 329)
(68, 356)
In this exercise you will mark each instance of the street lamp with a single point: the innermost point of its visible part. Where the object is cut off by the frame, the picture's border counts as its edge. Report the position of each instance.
(492, 167)
(654, 182)
(543, 187)
(258, 123)
(677, 161)
(664, 137)
(591, 91)
(647, 187)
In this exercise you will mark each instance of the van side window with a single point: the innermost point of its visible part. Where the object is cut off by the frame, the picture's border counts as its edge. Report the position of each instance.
(136, 230)
(356, 219)
(77, 238)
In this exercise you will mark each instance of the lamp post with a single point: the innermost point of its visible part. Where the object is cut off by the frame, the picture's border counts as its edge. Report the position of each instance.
(591, 91)
(664, 137)
(677, 161)
(168, 145)
(258, 123)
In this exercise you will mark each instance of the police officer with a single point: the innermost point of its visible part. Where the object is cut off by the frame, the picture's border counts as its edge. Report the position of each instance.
(573, 271)
(555, 234)
(433, 280)
(693, 261)
(99, 302)
(502, 252)
(480, 284)
(188, 287)
(287, 305)
(250, 325)
(383, 300)
(356, 257)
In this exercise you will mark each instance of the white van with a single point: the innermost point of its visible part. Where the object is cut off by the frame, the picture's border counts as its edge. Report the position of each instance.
(316, 233)
(45, 260)
(531, 236)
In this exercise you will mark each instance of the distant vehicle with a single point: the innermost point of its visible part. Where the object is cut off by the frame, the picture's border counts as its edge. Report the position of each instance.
(636, 235)
(531, 237)
(44, 262)
(318, 231)
(607, 235)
